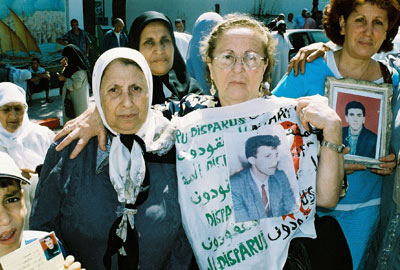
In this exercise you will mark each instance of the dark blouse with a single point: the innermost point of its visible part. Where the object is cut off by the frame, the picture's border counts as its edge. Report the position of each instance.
(76, 199)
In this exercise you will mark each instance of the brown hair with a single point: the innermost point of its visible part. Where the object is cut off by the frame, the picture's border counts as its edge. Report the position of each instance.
(344, 8)
(230, 21)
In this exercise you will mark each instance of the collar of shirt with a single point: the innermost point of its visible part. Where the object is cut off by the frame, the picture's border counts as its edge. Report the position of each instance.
(260, 183)
(102, 157)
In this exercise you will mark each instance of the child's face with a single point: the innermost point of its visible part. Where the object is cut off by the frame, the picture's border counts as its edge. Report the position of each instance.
(12, 214)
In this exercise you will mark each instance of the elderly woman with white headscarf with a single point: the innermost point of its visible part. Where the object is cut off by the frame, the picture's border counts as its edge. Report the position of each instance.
(108, 199)
(24, 141)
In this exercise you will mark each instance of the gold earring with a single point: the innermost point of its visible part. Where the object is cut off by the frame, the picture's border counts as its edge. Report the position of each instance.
(213, 91)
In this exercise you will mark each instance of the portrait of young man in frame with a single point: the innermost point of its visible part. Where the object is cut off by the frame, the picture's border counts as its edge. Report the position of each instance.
(364, 108)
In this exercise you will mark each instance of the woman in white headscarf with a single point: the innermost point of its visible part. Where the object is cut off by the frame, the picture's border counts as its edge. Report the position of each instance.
(24, 141)
(106, 199)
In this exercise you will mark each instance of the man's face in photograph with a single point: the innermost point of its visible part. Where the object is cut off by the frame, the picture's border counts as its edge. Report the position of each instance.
(356, 119)
(266, 160)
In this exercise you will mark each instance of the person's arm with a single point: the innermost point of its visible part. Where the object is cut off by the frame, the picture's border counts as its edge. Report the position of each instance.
(50, 192)
(315, 111)
(44, 75)
(76, 81)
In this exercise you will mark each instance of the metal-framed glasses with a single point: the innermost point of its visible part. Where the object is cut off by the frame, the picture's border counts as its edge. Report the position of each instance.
(250, 60)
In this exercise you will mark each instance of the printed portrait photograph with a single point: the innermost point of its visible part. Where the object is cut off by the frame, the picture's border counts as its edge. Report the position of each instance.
(50, 246)
(365, 110)
(262, 176)
(361, 121)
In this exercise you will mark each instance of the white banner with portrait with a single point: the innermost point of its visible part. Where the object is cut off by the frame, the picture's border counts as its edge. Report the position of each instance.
(246, 178)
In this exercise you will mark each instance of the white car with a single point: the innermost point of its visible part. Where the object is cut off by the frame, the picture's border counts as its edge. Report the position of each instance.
(303, 37)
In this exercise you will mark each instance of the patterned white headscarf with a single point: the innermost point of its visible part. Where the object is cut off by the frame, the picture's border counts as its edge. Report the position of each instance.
(127, 169)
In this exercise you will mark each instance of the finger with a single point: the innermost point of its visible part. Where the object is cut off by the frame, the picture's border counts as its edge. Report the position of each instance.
(102, 139)
(295, 65)
(75, 266)
(390, 157)
(354, 167)
(65, 142)
(290, 66)
(65, 131)
(313, 56)
(389, 165)
(382, 172)
(28, 170)
(68, 261)
(82, 142)
(303, 118)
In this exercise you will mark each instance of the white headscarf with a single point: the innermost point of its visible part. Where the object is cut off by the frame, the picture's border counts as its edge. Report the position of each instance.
(28, 145)
(127, 169)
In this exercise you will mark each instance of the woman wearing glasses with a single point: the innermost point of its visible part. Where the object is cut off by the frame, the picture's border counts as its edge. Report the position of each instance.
(239, 56)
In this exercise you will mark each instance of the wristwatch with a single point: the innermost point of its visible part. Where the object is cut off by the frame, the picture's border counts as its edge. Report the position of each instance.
(337, 148)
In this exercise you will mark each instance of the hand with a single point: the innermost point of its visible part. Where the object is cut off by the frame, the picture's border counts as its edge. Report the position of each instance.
(62, 78)
(70, 263)
(308, 53)
(84, 127)
(27, 173)
(314, 110)
(389, 163)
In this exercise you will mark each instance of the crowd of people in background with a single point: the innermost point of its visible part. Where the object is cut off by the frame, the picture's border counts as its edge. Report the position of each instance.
(157, 72)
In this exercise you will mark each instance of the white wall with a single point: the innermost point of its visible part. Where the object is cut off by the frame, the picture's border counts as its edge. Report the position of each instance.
(190, 10)
(75, 11)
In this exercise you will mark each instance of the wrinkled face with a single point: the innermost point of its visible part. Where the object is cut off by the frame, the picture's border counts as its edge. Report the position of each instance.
(49, 242)
(237, 84)
(35, 65)
(12, 115)
(12, 215)
(124, 97)
(356, 119)
(157, 47)
(364, 30)
(75, 26)
(118, 27)
(265, 162)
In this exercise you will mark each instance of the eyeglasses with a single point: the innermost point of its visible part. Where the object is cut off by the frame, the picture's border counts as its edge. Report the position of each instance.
(250, 60)
(19, 109)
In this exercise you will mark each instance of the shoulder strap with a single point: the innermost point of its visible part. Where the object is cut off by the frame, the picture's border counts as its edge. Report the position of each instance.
(387, 76)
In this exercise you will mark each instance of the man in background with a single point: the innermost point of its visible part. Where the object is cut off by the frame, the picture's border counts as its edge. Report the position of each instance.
(76, 36)
(281, 55)
(290, 23)
(40, 80)
(301, 18)
(115, 37)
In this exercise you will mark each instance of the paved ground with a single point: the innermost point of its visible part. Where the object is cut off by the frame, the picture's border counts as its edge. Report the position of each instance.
(40, 110)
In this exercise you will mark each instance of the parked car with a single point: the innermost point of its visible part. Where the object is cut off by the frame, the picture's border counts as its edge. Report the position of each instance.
(303, 37)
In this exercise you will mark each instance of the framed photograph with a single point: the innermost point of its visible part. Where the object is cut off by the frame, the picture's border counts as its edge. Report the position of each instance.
(365, 110)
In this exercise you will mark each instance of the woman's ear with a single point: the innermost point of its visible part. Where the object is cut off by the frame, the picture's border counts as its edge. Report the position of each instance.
(342, 24)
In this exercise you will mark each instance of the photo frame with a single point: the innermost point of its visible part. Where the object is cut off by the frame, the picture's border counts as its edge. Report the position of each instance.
(365, 110)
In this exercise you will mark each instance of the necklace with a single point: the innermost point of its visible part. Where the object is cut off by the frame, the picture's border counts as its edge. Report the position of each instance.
(364, 72)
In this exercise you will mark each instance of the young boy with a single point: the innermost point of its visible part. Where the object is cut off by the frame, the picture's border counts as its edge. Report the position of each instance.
(13, 211)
